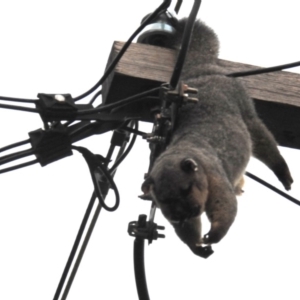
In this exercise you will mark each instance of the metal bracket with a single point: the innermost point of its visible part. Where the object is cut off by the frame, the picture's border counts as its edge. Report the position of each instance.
(145, 230)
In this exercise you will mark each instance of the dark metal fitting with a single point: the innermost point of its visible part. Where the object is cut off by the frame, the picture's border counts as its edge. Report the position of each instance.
(191, 100)
(145, 230)
(156, 139)
(189, 90)
(158, 116)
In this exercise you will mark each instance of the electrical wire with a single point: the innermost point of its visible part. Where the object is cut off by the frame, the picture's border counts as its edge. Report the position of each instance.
(129, 100)
(14, 156)
(15, 145)
(95, 97)
(19, 166)
(75, 246)
(18, 99)
(264, 70)
(126, 152)
(273, 188)
(22, 108)
(163, 7)
(184, 44)
(81, 252)
(95, 165)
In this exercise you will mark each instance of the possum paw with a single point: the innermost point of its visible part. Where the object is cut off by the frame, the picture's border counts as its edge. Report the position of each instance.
(203, 252)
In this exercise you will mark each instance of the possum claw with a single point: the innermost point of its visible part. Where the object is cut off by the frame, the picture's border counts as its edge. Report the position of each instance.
(203, 252)
(146, 197)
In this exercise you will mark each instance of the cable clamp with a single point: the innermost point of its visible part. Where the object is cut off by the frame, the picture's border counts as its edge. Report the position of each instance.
(180, 96)
(56, 107)
(50, 145)
(145, 230)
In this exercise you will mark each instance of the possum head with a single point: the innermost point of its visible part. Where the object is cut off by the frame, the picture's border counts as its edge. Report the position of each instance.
(178, 187)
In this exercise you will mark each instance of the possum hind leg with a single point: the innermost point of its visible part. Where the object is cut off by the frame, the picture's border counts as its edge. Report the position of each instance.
(221, 208)
(265, 149)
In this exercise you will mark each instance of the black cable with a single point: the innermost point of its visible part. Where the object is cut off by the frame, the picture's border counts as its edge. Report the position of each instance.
(135, 131)
(14, 145)
(81, 252)
(14, 156)
(18, 99)
(139, 269)
(75, 247)
(184, 44)
(128, 100)
(126, 152)
(22, 108)
(113, 186)
(95, 97)
(161, 8)
(264, 70)
(19, 166)
(273, 188)
(94, 164)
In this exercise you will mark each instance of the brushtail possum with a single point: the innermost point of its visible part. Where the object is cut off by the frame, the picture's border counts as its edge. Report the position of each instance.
(202, 168)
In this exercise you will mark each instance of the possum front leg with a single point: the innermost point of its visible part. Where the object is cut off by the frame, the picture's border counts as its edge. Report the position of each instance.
(221, 208)
(189, 232)
(265, 149)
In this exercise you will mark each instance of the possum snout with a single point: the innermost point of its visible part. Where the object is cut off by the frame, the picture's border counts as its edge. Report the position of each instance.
(179, 214)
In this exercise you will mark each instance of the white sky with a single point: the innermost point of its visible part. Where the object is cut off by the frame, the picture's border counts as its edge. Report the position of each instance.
(62, 47)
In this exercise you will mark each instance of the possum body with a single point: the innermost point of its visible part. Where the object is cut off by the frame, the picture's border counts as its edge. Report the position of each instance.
(202, 168)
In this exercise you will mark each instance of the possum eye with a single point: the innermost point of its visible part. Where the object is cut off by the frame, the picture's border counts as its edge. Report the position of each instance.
(186, 191)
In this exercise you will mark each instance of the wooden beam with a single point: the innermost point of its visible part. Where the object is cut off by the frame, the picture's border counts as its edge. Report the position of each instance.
(276, 95)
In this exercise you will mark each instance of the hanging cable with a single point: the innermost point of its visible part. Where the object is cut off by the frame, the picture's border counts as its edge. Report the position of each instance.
(100, 176)
(126, 152)
(19, 166)
(15, 145)
(273, 188)
(75, 247)
(18, 99)
(129, 100)
(95, 97)
(264, 70)
(22, 108)
(184, 45)
(160, 9)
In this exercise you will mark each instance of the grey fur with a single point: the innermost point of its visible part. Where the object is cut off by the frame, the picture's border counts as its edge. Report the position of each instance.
(219, 134)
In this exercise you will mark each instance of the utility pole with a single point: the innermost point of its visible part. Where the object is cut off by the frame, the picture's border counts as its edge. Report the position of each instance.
(143, 67)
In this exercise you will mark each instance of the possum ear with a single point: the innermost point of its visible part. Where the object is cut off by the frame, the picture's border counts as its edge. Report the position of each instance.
(146, 189)
(146, 185)
(189, 165)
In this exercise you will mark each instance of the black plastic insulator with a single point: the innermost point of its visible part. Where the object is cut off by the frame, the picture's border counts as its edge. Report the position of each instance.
(56, 107)
(50, 145)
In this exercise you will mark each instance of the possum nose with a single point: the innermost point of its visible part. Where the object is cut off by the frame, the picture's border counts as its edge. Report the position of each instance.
(195, 211)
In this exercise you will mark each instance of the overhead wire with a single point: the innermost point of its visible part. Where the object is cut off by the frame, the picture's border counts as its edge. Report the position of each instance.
(161, 8)
(264, 70)
(273, 188)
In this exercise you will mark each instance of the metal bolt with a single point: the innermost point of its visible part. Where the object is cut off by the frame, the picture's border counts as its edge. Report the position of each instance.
(189, 90)
(191, 100)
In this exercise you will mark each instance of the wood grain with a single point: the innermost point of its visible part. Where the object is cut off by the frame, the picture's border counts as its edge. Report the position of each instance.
(143, 67)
